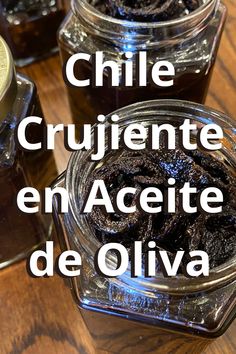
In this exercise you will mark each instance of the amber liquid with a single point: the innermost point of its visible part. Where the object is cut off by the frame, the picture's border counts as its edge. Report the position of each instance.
(86, 103)
(20, 233)
(34, 37)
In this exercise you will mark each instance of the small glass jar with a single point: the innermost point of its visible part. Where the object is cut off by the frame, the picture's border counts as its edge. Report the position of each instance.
(20, 233)
(29, 27)
(189, 43)
(146, 314)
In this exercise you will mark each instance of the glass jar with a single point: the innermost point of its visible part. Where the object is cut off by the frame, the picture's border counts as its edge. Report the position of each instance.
(20, 233)
(29, 27)
(189, 43)
(146, 314)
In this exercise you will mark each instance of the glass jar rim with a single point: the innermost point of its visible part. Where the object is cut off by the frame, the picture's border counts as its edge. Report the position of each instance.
(139, 35)
(138, 24)
(219, 276)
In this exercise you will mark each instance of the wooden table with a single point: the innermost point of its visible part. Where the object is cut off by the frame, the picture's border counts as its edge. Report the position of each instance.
(38, 316)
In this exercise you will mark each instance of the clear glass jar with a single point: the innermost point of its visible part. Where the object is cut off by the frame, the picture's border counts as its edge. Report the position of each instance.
(146, 314)
(30, 27)
(189, 43)
(20, 233)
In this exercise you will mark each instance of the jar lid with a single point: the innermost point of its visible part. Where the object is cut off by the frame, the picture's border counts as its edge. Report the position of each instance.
(8, 84)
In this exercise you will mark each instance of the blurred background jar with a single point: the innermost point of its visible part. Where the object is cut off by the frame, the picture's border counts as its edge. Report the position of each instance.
(190, 43)
(20, 233)
(156, 314)
(30, 26)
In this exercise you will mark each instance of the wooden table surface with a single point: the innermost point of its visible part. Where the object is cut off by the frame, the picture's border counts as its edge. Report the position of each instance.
(38, 316)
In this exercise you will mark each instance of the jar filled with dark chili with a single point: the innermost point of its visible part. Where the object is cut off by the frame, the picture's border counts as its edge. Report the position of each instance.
(30, 27)
(185, 33)
(20, 233)
(153, 314)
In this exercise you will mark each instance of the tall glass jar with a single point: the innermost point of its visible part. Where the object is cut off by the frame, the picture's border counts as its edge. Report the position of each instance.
(189, 43)
(30, 27)
(127, 314)
(20, 233)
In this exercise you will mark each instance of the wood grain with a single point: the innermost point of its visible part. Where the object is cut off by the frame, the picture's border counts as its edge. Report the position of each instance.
(223, 85)
(38, 316)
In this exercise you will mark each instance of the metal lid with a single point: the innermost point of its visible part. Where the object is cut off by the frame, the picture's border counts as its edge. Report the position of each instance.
(8, 84)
